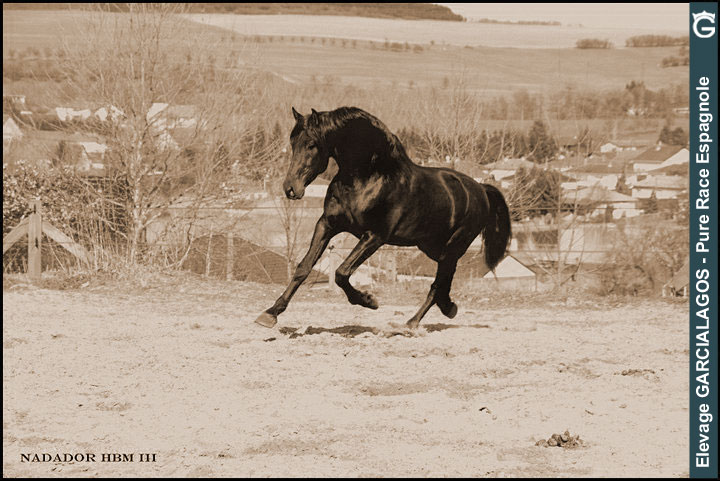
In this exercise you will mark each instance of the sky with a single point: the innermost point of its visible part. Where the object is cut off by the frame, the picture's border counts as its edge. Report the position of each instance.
(666, 16)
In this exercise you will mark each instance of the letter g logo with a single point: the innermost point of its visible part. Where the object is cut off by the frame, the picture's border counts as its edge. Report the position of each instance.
(707, 31)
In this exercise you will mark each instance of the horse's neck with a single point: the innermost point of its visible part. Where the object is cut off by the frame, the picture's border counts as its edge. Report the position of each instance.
(358, 159)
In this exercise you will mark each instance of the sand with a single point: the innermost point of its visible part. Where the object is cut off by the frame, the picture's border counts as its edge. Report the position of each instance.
(181, 371)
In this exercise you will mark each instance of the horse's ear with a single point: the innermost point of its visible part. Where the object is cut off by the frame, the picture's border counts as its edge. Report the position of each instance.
(313, 112)
(296, 114)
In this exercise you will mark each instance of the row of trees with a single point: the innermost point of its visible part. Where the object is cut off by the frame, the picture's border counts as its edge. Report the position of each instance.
(657, 41)
(483, 147)
(676, 136)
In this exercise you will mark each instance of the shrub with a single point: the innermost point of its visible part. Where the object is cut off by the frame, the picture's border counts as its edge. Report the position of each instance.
(657, 41)
(643, 259)
(593, 43)
(84, 209)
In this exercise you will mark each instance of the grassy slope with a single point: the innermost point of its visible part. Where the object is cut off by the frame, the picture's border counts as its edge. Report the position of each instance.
(372, 10)
(488, 70)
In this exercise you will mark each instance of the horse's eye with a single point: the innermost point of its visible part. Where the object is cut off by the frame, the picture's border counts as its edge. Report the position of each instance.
(312, 146)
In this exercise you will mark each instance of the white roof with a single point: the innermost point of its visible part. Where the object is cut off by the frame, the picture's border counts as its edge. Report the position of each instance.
(510, 267)
(93, 147)
(155, 109)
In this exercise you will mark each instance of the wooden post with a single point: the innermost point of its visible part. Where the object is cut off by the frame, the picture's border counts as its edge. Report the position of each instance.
(332, 265)
(393, 265)
(230, 257)
(34, 241)
(208, 258)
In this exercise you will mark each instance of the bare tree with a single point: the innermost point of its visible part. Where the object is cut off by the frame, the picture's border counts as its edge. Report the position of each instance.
(450, 120)
(550, 222)
(291, 218)
(175, 123)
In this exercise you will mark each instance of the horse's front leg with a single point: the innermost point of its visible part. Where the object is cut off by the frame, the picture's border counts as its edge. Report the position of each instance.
(321, 237)
(367, 246)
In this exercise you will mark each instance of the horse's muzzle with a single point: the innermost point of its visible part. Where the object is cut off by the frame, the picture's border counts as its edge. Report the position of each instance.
(293, 192)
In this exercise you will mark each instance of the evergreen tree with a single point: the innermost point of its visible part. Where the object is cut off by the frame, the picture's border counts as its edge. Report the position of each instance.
(650, 206)
(542, 147)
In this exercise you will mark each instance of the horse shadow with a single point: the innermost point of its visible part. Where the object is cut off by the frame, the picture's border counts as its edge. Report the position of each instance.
(354, 330)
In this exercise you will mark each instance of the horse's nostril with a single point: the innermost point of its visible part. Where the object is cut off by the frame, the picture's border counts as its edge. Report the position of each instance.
(290, 192)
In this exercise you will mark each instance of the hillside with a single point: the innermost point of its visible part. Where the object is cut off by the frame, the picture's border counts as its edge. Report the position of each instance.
(417, 61)
(406, 11)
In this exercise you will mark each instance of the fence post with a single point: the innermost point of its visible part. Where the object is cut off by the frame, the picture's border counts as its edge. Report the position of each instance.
(393, 265)
(332, 265)
(34, 240)
(208, 258)
(230, 259)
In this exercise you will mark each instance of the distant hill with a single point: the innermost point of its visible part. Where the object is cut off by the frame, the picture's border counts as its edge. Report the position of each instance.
(407, 11)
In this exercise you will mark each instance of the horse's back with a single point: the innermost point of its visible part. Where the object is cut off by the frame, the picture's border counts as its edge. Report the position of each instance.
(466, 198)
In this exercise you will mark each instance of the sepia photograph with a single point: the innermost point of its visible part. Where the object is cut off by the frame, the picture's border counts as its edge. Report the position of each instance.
(359, 240)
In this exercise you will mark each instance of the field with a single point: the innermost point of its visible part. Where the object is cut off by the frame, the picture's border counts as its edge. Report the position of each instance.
(422, 31)
(177, 368)
(502, 64)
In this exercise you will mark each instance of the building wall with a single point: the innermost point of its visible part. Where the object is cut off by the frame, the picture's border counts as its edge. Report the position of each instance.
(645, 193)
(503, 283)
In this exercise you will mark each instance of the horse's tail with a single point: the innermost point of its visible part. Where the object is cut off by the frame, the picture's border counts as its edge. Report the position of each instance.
(497, 231)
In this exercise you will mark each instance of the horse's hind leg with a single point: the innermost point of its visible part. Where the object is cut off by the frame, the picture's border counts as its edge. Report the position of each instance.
(442, 296)
(368, 244)
(439, 293)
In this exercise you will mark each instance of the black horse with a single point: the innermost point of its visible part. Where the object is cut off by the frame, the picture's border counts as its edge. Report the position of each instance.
(381, 197)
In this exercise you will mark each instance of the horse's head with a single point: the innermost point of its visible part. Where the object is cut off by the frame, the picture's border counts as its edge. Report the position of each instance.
(309, 155)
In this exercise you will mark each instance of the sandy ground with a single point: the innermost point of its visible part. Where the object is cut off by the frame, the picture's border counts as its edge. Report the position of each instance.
(181, 371)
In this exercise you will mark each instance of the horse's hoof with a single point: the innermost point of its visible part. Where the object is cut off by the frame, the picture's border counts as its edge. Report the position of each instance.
(450, 310)
(413, 324)
(366, 300)
(266, 320)
(370, 302)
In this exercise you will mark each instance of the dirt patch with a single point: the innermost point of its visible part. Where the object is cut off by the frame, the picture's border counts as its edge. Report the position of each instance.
(180, 369)
(345, 331)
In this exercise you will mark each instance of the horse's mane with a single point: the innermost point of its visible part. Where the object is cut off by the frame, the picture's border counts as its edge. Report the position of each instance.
(323, 124)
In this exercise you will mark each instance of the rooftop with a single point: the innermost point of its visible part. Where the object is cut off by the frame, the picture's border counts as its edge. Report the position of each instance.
(658, 153)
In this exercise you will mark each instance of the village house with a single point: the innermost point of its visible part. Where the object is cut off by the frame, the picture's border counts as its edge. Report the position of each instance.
(660, 156)
(111, 112)
(14, 103)
(598, 200)
(258, 226)
(11, 131)
(164, 116)
(507, 183)
(507, 167)
(568, 241)
(45, 148)
(675, 169)
(664, 187)
(615, 147)
(681, 158)
(67, 114)
(604, 174)
(572, 145)
(510, 273)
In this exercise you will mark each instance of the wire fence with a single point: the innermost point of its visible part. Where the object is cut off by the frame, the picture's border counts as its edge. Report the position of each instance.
(264, 243)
